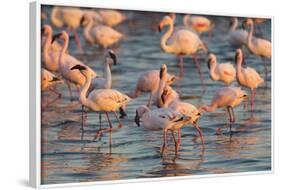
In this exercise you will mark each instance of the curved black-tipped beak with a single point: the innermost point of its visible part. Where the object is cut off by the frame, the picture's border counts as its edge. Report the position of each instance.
(79, 67)
(113, 57)
(122, 113)
(82, 21)
(159, 28)
(209, 64)
(54, 37)
(54, 79)
(137, 119)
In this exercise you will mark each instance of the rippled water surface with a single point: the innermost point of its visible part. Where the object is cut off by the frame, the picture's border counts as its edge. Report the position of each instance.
(68, 155)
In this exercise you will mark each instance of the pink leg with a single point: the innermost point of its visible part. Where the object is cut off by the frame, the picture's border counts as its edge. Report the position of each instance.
(179, 137)
(77, 40)
(245, 104)
(69, 89)
(253, 94)
(101, 131)
(181, 61)
(120, 124)
(199, 71)
(164, 141)
(176, 143)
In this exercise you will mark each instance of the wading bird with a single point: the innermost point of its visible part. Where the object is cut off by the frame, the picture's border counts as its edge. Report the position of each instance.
(236, 37)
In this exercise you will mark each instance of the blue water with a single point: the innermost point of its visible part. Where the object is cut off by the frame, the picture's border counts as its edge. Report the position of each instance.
(68, 155)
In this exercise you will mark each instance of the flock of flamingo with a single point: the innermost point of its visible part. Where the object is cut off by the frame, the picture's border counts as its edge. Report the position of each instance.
(164, 110)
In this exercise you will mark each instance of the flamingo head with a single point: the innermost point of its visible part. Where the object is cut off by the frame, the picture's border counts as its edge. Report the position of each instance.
(163, 71)
(167, 20)
(139, 113)
(46, 29)
(171, 79)
(62, 35)
(84, 70)
(211, 59)
(247, 22)
(239, 58)
(110, 57)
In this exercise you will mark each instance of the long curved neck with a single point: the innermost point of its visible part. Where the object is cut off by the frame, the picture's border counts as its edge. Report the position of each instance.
(213, 67)
(210, 108)
(83, 94)
(107, 74)
(165, 38)
(238, 69)
(63, 50)
(234, 24)
(46, 46)
(87, 31)
(250, 36)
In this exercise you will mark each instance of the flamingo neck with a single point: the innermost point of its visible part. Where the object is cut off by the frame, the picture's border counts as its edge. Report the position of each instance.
(83, 94)
(107, 74)
(213, 73)
(250, 36)
(186, 20)
(210, 108)
(234, 24)
(165, 38)
(47, 45)
(63, 50)
(87, 31)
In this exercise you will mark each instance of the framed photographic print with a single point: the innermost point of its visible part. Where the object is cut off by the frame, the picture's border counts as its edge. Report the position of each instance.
(124, 95)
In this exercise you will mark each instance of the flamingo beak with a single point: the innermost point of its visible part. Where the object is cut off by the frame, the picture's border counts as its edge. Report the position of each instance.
(122, 113)
(200, 132)
(54, 79)
(209, 64)
(113, 57)
(82, 21)
(160, 28)
(137, 119)
(79, 67)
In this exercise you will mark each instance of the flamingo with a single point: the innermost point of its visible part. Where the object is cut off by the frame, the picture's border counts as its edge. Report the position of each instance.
(247, 77)
(182, 42)
(47, 32)
(199, 24)
(170, 99)
(100, 100)
(69, 17)
(224, 72)
(257, 46)
(103, 35)
(149, 82)
(66, 62)
(226, 97)
(112, 17)
(236, 37)
(164, 119)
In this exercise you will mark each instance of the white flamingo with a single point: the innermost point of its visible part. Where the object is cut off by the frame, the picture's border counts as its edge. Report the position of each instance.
(226, 97)
(224, 72)
(100, 100)
(181, 42)
(102, 35)
(257, 46)
(69, 17)
(247, 77)
(112, 17)
(66, 62)
(164, 119)
(236, 37)
(149, 82)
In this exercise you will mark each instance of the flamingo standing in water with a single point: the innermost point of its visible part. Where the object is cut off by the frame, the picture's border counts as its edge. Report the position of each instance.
(236, 37)
(66, 62)
(100, 100)
(247, 77)
(164, 119)
(181, 42)
(170, 99)
(149, 82)
(103, 35)
(257, 46)
(226, 97)
(224, 72)
(69, 17)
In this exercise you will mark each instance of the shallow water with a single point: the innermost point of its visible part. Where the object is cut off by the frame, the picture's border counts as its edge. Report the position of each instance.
(68, 155)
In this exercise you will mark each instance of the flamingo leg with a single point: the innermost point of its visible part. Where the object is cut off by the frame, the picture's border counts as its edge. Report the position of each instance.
(200, 132)
(253, 94)
(77, 40)
(265, 68)
(179, 137)
(149, 100)
(100, 119)
(199, 71)
(164, 141)
(181, 61)
(176, 143)
(232, 113)
(69, 89)
(120, 124)
(82, 122)
(101, 131)
(55, 91)
(229, 114)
